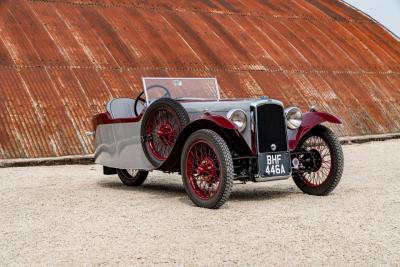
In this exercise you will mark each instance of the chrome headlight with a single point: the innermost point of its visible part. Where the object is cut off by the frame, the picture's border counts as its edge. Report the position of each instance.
(239, 118)
(294, 117)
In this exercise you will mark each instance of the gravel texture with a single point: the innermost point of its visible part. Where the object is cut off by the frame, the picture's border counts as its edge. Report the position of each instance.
(74, 215)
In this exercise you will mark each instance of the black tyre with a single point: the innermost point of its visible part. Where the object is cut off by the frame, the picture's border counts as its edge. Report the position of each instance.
(325, 163)
(132, 177)
(207, 169)
(162, 122)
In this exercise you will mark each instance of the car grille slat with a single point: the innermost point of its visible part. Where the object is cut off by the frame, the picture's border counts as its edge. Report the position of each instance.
(271, 128)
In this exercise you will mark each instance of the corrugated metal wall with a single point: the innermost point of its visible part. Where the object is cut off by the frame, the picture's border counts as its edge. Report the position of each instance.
(60, 61)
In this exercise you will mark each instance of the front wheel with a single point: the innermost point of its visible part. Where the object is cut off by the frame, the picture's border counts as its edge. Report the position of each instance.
(321, 162)
(207, 169)
(132, 177)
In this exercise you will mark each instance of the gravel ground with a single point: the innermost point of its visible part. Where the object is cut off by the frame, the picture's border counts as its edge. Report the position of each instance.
(73, 215)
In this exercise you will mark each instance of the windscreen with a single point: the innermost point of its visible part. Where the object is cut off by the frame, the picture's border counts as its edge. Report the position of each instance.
(181, 88)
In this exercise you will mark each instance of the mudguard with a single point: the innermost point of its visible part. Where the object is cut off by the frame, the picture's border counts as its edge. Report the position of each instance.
(224, 127)
(310, 120)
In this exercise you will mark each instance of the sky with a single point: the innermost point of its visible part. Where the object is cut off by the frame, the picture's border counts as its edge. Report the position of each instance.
(387, 12)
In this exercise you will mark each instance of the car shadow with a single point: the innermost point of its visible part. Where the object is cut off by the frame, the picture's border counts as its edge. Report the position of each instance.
(173, 190)
(262, 193)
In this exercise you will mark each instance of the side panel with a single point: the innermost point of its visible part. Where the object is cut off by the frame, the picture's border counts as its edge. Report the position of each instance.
(310, 120)
(118, 145)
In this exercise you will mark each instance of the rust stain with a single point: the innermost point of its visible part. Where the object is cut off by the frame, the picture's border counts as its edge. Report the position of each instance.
(62, 60)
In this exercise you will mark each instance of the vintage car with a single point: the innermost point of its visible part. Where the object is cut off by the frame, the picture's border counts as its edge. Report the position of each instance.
(181, 125)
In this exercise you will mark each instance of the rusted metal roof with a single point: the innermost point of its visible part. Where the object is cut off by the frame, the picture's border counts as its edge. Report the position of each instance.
(60, 61)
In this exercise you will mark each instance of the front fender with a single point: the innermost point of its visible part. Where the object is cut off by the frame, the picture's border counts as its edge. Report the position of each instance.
(224, 127)
(310, 120)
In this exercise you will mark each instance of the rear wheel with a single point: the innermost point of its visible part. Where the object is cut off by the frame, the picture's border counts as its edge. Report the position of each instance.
(321, 162)
(162, 123)
(132, 177)
(207, 169)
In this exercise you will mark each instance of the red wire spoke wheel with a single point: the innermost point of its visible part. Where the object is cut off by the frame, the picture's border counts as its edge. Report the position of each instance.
(322, 160)
(207, 169)
(203, 172)
(163, 128)
(162, 123)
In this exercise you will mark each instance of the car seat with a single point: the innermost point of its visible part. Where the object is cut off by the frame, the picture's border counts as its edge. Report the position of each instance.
(119, 108)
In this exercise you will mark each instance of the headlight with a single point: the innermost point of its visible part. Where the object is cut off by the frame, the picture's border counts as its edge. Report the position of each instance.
(239, 118)
(294, 117)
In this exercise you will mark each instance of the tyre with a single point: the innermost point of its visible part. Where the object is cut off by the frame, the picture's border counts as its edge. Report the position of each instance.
(162, 122)
(323, 160)
(207, 169)
(132, 177)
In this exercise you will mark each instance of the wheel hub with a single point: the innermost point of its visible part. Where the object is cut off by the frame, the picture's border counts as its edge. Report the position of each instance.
(316, 159)
(313, 160)
(166, 134)
(206, 169)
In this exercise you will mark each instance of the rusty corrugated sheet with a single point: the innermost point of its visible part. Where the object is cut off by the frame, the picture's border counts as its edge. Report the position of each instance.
(60, 61)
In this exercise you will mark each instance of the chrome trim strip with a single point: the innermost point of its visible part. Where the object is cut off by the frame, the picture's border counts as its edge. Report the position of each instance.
(262, 102)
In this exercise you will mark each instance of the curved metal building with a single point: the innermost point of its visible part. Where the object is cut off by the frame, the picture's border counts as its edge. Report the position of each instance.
(61, 60)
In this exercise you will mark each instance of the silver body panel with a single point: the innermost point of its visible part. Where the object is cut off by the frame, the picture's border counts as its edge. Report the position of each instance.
(118, 145)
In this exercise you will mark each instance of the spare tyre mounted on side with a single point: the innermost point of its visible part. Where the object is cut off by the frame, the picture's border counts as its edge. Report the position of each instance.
(162, 122)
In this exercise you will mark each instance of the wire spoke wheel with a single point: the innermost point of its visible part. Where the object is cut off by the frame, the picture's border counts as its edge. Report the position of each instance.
(162, 128)
(132, 172)
(207, 169)
(321, 159)
(203, 170)
(132, 177)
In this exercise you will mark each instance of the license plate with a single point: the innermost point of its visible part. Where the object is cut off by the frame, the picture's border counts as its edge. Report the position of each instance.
(274, 164)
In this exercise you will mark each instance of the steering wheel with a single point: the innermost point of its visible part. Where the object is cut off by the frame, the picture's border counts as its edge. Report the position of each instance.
(140, 96)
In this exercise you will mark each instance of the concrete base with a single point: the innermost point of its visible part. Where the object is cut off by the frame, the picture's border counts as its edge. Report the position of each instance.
(65, 160)
(368, 138)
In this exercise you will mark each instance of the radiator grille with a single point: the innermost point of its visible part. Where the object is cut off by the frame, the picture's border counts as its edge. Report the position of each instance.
(271, 128)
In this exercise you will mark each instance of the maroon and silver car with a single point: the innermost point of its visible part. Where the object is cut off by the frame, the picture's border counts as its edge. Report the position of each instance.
(181, 125)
